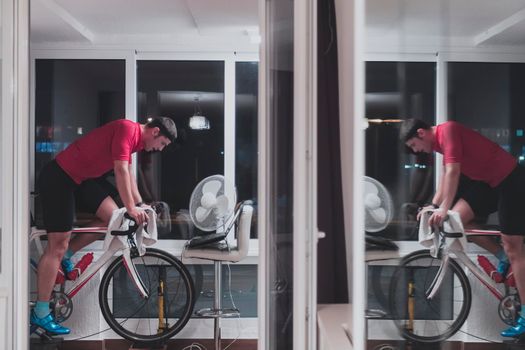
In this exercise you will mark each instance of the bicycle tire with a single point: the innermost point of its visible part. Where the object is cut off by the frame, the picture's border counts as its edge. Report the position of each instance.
(123, 308)
(437, 319)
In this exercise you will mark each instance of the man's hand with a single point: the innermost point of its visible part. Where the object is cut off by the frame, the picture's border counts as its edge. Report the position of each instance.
(423, 209)
(139, 215)
(438, 217)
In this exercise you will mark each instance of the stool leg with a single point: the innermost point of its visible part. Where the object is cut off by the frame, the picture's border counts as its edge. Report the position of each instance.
(218, 304)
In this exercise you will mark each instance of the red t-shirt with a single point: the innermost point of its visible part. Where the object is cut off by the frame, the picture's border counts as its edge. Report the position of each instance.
(480, 158)
(92, 155)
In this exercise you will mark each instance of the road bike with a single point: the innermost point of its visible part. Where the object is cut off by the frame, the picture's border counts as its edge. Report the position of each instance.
(430, 296)
(146, 299)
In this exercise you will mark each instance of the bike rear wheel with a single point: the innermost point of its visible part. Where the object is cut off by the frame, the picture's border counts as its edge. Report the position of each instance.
(159, 317)
(428, 320)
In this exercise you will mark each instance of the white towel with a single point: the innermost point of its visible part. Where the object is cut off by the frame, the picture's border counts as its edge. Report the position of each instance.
(143, 237)
(429, 238)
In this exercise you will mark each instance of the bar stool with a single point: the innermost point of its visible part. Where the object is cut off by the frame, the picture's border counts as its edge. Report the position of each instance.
(219, 253)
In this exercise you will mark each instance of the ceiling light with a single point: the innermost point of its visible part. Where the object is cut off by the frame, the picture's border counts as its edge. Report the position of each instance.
(197, 121)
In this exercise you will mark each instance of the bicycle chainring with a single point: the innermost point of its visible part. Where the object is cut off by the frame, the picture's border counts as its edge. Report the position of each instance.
(62, 306)
(508, 309)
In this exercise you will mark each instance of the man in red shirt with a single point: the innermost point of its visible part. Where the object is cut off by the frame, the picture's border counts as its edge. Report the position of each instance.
(75, 175)
(473, 155)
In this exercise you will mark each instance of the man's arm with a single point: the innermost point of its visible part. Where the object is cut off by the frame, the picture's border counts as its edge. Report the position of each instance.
(438, 196)
(448, 188)
(437, 199)
(124, 187)
(137, 198)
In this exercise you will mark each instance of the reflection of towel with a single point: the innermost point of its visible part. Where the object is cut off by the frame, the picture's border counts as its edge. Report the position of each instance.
(143, 237)
(428, 237)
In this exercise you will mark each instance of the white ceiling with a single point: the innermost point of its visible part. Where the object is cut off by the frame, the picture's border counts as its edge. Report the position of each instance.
(230, 23)
(425, 25)
(445, 23)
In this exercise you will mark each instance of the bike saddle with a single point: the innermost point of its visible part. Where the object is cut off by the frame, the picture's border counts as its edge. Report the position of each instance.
(379, 243)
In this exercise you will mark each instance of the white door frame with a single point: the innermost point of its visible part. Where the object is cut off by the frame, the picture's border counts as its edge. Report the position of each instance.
(350, 23)
(14, 151)
(305, 232)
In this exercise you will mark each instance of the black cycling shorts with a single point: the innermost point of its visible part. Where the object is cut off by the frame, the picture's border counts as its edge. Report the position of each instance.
(482, 198)
(511, 206)
(60, 195)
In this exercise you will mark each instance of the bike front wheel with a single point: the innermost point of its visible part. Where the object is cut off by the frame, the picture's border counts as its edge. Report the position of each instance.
(170, 302)
(419, 318)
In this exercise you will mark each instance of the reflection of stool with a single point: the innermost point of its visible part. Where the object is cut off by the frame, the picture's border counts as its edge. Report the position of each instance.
(218, 254)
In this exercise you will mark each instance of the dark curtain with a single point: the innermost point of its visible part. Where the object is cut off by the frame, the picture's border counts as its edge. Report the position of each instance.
(331, 276)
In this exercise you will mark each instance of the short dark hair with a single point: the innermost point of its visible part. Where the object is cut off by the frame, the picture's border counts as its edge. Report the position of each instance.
(167, 127)
(409, 128)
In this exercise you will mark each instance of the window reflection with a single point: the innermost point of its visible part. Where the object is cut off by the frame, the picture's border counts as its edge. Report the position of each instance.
(488, 97)
(399, 90)
(246, 155)
(170, 88)
(73, 97)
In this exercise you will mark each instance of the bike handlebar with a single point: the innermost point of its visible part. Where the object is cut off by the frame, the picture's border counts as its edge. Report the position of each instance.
(132, 227)
(442, 230)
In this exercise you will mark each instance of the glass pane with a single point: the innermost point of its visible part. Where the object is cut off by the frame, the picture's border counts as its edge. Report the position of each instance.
(246, 155)
(179, 90)
(280, 151)
(399, 90)
(73, 97)
(497, 89)
(239, 291)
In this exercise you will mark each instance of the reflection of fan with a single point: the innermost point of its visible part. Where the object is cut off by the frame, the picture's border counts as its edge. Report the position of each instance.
(378, 205)
(212, 203)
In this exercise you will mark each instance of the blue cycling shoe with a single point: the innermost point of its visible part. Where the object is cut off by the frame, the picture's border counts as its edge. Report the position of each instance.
(48, 324)
(503, 267)
(515, 331)
(67, 265)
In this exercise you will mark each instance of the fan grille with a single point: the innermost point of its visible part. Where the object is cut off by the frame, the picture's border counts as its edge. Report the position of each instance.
(378, 205)
(207, 219)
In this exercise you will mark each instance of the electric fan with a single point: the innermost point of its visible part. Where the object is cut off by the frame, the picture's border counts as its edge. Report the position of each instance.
(212, 205)
(378, 205)
(378, 214)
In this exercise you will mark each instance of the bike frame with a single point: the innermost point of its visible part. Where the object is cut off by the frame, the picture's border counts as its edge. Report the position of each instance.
(456, 248)
(114, 248)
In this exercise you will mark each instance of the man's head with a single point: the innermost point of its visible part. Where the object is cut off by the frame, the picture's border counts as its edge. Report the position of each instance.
(417, 136)
(159, 132)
